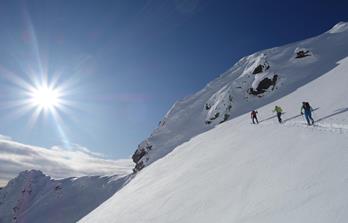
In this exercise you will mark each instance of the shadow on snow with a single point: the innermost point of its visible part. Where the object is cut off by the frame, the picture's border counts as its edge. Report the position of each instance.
(338, 111)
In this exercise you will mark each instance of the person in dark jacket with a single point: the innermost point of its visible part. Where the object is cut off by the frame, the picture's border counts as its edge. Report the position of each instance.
(254, 117)
(306, 109)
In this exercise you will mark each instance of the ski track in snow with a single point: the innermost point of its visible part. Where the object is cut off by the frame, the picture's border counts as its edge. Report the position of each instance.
(318, 126)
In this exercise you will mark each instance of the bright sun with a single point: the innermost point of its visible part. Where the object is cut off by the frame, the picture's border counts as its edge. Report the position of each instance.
(45, 97)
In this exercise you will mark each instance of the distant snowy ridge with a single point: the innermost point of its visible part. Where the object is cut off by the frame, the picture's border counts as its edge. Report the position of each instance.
(56, 197)
(254, 81)
(35, 197)
(57, 162)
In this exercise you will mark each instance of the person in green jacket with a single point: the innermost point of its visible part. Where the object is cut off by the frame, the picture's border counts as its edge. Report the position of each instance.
(279, 112)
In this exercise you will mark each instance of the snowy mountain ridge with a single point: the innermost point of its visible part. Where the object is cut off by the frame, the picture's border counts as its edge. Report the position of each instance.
(253, 81)
(244, 173)
(35, 197)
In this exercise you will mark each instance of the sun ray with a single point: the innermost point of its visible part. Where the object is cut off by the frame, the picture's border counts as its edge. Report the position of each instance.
(58, 121)
(15, 79)
(37, 93)
(33, 118)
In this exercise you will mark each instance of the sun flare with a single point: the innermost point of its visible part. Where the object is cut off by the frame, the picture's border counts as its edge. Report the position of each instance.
(45, 97)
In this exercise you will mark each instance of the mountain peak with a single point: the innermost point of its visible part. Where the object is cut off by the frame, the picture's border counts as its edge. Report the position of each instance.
(32, 172)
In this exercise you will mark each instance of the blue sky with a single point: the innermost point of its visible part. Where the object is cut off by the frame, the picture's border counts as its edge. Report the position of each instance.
(124, 63)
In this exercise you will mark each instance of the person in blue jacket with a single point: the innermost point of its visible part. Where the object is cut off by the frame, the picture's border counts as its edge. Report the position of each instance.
(306, 109)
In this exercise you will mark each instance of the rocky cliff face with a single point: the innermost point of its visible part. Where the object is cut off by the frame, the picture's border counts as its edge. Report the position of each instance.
(253, 81)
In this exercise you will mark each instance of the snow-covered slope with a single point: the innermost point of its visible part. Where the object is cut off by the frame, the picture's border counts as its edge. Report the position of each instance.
(35, 197)
(239, 172)
(254, 81)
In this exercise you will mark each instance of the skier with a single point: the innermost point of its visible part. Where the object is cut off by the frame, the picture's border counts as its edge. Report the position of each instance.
(254, 116)
(279, 111)
(307, 112)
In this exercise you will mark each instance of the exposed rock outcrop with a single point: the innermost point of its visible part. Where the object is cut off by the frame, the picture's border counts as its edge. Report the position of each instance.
(261, 68)
(219, 106)
(302, 52)
(264, 85)
(142, 150)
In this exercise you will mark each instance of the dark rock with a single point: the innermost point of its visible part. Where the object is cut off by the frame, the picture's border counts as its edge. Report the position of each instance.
(274, 80)
(215, 116)
(207, 106)
(15, 209)
(139, 154)
(212, 118)
(264, 85)
(161, 123)
(226, 116)
(261, 68)
(138, 166)
(258, 69)
(301, 54)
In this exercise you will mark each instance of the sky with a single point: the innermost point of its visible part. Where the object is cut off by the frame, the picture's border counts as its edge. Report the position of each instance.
(56, 162)
(120, 65)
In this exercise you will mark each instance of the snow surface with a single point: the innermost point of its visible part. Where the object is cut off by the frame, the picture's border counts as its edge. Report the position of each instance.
(227, 96)
(239, 172)
(35, 197)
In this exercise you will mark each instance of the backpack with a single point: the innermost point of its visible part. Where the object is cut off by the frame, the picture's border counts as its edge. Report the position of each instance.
(306, 106)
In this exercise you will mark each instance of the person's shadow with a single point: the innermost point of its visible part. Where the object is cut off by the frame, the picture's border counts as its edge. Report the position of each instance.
(269, 118)
(338, 111)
